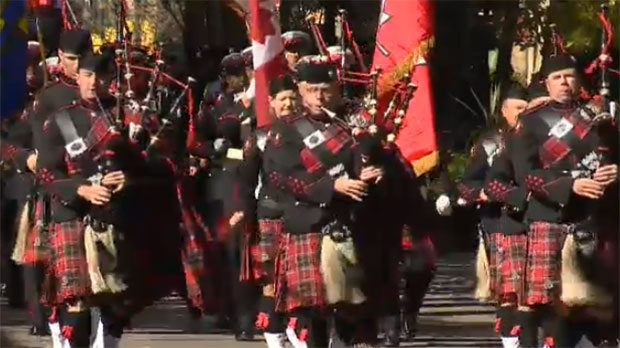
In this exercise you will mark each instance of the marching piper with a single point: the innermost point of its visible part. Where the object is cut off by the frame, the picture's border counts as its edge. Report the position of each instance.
(558, 147)
(86, 166)
(309, 159)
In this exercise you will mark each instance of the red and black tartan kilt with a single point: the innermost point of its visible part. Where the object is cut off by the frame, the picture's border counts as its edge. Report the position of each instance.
(37, 242)
(298, 278)
(493, 243)
(264, 252)
(543, 263)
(509, 265)
(67, 269)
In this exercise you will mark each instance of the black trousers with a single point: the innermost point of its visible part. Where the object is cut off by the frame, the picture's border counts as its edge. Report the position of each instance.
(11, 272)
(414, 286)
(33, 278)
(243, 304)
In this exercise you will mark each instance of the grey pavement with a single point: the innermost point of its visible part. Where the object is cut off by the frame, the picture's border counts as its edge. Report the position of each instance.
(450, 318)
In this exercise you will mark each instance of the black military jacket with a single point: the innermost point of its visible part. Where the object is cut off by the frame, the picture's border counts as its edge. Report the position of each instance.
(504, 184)
(557, 145)
(260, 198)
(20, 180)
(221, 121)
(216, 136)
(62, 174)
(484, 153)
(304, 168)
(59, 93)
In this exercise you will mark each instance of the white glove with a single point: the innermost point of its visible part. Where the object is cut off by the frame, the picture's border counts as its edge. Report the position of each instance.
(219, 144)
(134, 130)
(443, 205)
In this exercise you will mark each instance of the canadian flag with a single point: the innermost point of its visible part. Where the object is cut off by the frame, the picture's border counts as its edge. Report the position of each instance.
(268, 52)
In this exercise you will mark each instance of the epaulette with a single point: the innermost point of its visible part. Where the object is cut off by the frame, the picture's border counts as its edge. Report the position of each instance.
(50, 84)
(292, 119)
(535, 108)
(69, 106)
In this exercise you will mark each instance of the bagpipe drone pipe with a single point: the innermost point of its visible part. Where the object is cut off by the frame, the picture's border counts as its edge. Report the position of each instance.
(374, 133)
(603, 212)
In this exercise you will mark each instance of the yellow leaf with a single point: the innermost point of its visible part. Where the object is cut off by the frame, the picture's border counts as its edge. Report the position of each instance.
(23, 24)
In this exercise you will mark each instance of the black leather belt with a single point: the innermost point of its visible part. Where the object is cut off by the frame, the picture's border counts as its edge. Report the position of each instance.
(269, 203)
(97, 225)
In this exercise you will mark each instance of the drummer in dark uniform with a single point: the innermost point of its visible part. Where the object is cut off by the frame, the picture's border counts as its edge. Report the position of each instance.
(296, 45)
(558, 148)
(86, 166)
(217, 141)
(309, 159)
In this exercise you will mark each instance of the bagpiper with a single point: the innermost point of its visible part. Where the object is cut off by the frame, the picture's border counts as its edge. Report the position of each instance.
(558, 147)
(87, 168)
(309, 159)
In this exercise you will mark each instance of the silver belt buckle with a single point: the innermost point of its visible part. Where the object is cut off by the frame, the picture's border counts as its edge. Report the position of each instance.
(76, 147)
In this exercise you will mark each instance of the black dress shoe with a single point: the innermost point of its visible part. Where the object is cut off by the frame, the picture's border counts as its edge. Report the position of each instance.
(244, 336)
(39, 331)
(391, 339)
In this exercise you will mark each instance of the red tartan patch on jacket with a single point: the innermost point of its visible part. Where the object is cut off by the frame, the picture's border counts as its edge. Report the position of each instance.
(310, 160)
(337, 141)
(553, 150)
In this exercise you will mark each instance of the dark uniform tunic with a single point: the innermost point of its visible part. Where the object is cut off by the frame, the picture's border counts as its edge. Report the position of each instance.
(218, 137)
(217, 130)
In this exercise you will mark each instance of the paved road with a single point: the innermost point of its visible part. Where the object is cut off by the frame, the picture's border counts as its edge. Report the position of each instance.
(450, 318)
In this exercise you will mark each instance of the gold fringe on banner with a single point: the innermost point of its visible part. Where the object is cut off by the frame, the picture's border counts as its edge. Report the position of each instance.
(426, 163)
(388, 80)
(236, 7)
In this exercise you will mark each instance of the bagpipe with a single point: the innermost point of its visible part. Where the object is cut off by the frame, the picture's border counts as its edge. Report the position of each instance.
(149, 99)
(369, 126)
(606, 119)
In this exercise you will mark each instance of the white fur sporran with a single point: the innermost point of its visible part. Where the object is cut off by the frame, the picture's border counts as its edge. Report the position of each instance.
(577, 290)
(337, 260)
(483, 292)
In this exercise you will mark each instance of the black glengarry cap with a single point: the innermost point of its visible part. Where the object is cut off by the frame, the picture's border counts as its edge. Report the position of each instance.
(312, 72)
(97, 63)
(280, 84)
(233, 64)
(515, 91)
(77, 42)
(557, 63)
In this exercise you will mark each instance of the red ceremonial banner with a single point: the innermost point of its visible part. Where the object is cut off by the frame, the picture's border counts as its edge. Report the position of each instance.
(399, 52)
